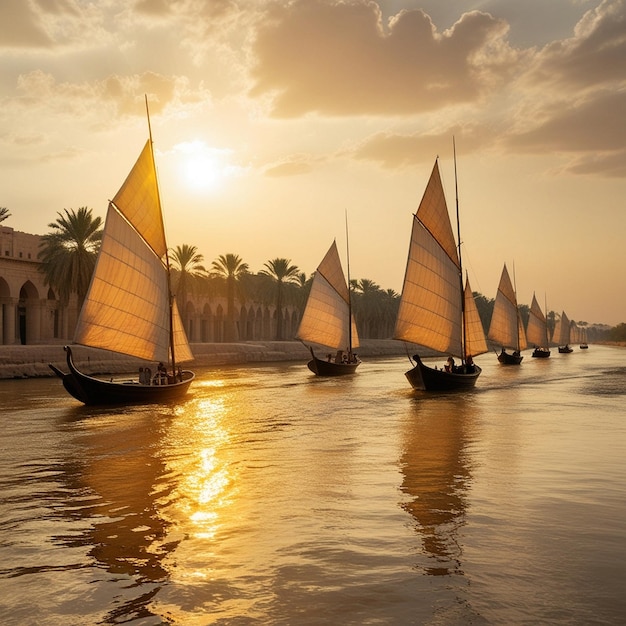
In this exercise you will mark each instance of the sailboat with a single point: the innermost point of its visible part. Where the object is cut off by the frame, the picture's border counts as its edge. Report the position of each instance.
(129, 307)
(328, 321)
(506, 326)
(583, 338)
(435, 310)
(562, 334)
(537, 330)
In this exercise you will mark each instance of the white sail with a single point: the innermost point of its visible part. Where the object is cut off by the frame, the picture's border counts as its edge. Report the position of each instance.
(127, 308)
(562, 330)
(506, 328)
(431, 307)
(182, 349)
(537, 328)
(138, 200)
(327, 313)
(474, 333)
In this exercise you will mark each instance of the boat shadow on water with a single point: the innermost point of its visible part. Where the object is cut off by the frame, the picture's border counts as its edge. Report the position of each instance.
(436, 477)
(116, 467)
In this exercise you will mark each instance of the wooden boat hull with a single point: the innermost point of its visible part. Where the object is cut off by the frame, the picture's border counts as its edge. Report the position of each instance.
(565, 350)
(431, 379)
(329, 368)
(541, 353)
(584, 346)
(95, 391)
(509, 359)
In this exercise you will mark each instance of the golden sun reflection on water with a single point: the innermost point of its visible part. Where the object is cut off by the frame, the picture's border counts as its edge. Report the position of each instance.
(205, 485)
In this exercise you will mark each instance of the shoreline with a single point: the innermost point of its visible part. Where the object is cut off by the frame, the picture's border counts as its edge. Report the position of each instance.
(17, 361)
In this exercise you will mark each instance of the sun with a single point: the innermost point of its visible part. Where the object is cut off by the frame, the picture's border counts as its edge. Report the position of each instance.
(202, 168)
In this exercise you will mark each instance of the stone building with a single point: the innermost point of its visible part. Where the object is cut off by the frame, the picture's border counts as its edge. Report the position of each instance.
(32, 313)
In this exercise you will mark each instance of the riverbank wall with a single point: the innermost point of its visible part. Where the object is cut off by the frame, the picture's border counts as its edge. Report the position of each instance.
(32, 361)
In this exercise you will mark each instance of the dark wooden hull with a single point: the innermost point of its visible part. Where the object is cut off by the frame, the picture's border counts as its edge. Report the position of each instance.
(541, 353)
(509, 359)
(325, 368)
(431, 379)
(584, 346)
(96, 391)
(329, 368)
(565, 350)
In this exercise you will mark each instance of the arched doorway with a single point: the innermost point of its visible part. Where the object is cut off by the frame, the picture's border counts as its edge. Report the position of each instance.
(28, 313)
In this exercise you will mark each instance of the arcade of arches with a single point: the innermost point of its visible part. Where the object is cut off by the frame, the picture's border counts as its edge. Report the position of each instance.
(31, 313)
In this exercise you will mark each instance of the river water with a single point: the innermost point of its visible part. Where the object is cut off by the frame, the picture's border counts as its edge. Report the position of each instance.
(271, 496)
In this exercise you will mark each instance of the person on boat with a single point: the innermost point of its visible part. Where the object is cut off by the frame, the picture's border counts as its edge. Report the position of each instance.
(469, 364)
(160, 378)
(144, 375)
(450, 364)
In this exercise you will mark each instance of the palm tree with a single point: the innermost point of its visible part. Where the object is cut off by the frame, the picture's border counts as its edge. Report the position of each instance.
(4, 213)
(188, 263)
(390, 302)
(231, 268)
(68, 253)
(367, 303)
(281, 272)
(304, 288)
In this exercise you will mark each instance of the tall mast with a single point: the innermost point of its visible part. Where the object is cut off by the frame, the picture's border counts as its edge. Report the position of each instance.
(167, 258)
(458, 230)
(517, 313)
(349, 290)
(545, 304)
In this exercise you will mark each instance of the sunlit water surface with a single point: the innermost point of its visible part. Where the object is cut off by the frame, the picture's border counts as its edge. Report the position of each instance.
(271, 496)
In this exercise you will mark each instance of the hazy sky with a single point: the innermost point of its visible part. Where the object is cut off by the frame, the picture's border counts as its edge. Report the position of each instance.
(271, 120)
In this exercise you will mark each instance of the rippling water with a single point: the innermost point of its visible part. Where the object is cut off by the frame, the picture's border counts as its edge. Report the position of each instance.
(274, 497)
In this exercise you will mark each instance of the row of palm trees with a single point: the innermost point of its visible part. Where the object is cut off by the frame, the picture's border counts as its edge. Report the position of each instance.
(68, 255)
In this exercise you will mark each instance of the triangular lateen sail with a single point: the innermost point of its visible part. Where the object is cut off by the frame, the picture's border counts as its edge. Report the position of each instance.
(120, 311)
(506, 327)
(127, 307)
(431, 305)
(561, 334)
(474, 333)
(138, 200)
(537, 327)
(326, 315)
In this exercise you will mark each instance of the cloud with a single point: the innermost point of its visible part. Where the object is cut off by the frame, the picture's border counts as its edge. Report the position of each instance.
(51, 25)
(118, 96)
(340, 59)
(395, 151)
(594, 56)
(20, 26)
(573, 96)
(594, 124)
(292, 165)
(562, 99)
(608, 165)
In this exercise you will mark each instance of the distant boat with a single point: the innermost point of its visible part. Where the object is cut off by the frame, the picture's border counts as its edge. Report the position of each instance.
(129, 308)
(328, 320)
(561, 334)
(435, 310)
(506, 326)
(583, 338)
(537, 331)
